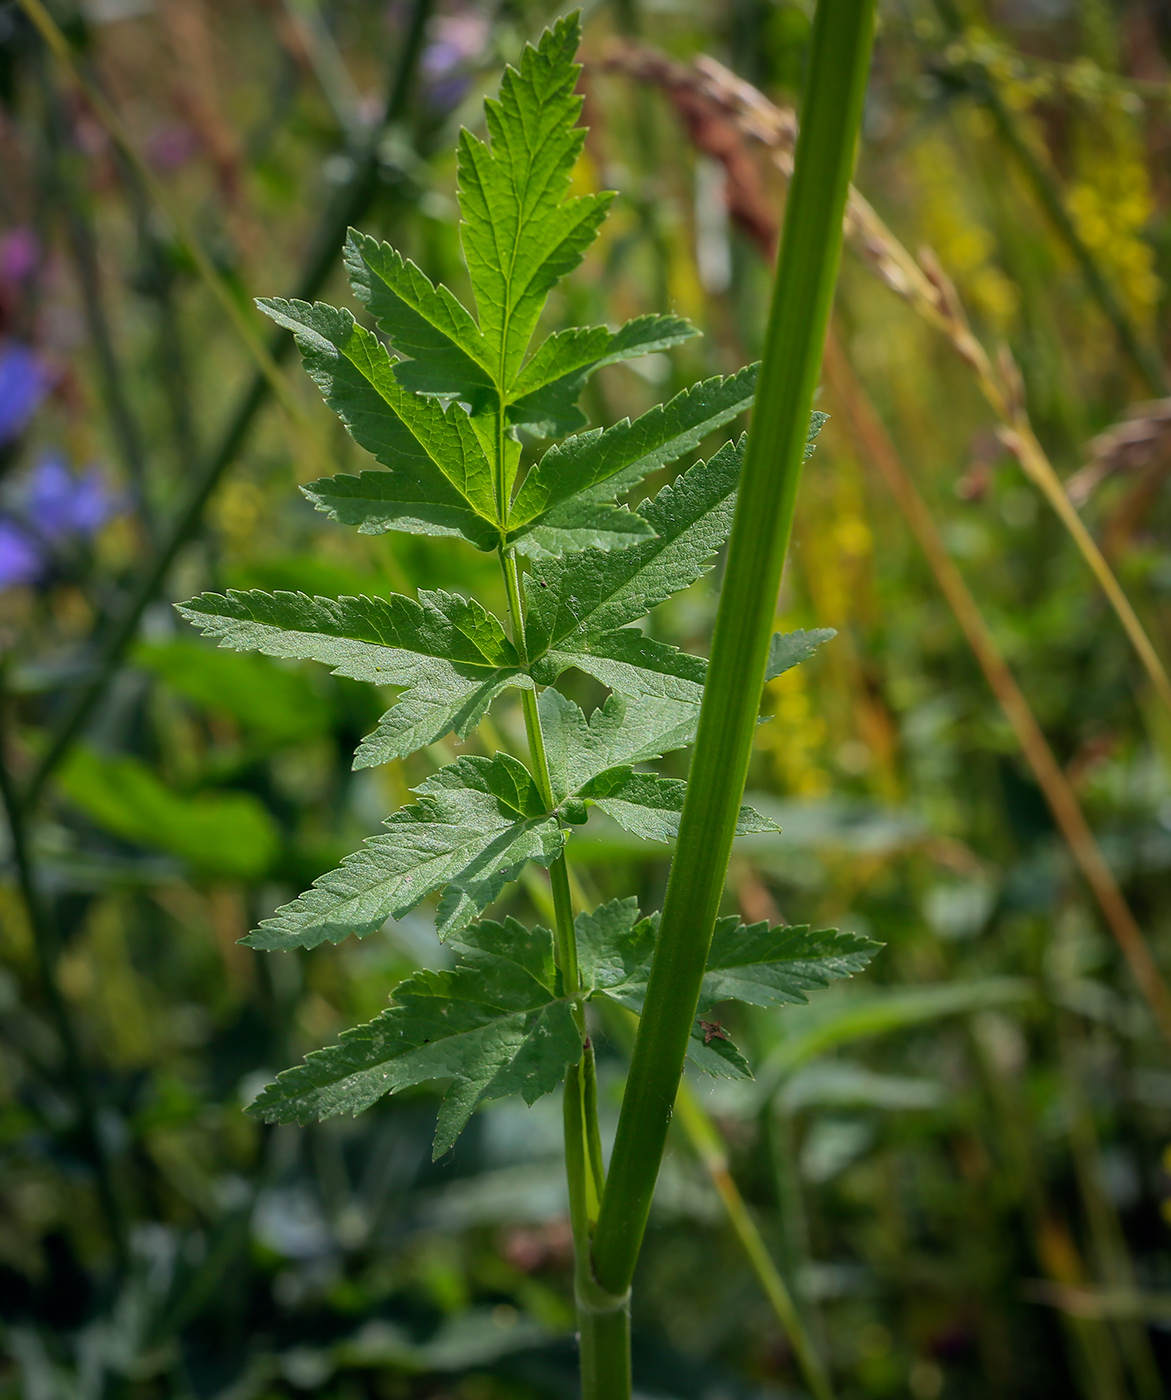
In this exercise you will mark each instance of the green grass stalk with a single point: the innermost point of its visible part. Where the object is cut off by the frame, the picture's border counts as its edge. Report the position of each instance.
(806, 275)
(709, 1147)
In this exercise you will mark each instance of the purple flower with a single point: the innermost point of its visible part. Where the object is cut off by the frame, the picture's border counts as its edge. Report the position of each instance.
(52, 506)
(20, 559)
(19, 255)
(456, 42)
(57, 503)
(172, 146)
(24, 382)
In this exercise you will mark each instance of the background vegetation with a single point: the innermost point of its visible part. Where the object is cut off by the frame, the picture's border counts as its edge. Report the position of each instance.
(958, 1160)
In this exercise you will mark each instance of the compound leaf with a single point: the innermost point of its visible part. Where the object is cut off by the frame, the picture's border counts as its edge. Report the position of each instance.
(428, 711)
(544, 396)
(578, 524)
(450, 654)
(789, 649)
(606, 463)
(521, 232)
(766, 966)
(574, 601)
(390, 641)
(375, 502)
(617, 733)
(633, 664)
(475, 824)
(439, 479)
(614, 950)
(650, 806)
(578, 607)
(492, 1024)
(445, 352)
(756, 964)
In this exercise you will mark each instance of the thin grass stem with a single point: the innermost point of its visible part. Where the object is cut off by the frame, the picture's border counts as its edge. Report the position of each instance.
(705, 1138)
(980, 84)
(350, 204)
(877, 447)
(928, 289)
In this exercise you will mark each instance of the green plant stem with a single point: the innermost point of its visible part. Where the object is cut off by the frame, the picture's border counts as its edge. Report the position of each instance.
(576, 1158)
(346, 209)
(708, 1145)
(604, 1340)
(603, 1321)
(1141, 355)
(806, 274)
(564, 938)
(590, 1109)
(567, 938)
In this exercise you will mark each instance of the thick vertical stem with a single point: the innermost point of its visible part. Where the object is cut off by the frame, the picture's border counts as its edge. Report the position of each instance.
(806, 274)
(603, 1321)
(604, 1339)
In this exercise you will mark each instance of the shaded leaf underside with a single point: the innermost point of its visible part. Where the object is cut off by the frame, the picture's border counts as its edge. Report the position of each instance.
(495, 1024)
(492, 1025)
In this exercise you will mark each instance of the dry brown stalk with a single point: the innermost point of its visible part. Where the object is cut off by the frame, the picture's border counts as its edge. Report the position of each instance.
(1142, 437)
(875, 443)
(705, 91)
(706, 94)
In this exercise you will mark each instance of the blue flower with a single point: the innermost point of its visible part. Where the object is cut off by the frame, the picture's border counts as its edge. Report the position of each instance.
(52, 506)
(20, 559)
(24, 382)
(57, 503)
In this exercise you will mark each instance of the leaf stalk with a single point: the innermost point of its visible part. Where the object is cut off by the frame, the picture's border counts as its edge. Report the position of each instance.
(603, 1320)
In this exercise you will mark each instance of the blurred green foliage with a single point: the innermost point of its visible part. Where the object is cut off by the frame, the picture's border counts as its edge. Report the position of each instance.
(959, 1162)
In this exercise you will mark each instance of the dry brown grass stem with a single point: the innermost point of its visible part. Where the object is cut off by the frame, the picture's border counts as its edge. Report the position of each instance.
(714, 104)
(1140, 441)
(720, 111)
(875, 444)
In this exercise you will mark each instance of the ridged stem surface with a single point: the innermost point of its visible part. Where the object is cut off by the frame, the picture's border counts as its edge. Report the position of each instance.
(803, 293)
